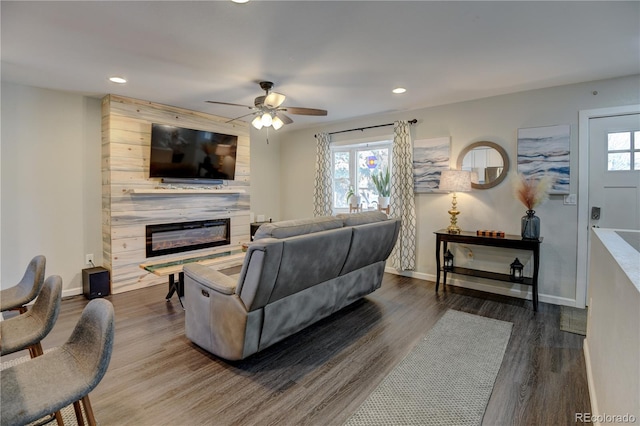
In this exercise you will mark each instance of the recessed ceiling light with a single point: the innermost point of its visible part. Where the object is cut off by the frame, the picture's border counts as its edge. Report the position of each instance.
(399, 90)
(240, 1)
(118, 80)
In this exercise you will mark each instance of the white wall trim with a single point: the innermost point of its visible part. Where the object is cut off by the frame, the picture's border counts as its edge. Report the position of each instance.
(512, 292)
(592, 393)
(582, 264)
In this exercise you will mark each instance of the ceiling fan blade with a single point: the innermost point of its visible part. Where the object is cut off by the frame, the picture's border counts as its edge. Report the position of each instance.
(304, 111)
(274, 100)
(285, 118)
(229, 103)
(242, 116)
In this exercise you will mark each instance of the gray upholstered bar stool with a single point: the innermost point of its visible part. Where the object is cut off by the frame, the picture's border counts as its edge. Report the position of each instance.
(46, 384)
(26, 331)
(27, 289)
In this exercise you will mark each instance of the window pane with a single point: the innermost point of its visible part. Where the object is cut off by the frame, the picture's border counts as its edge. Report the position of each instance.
(618, 141)
(636, 161)
(370, 161)
(341, 179)
(619, 161)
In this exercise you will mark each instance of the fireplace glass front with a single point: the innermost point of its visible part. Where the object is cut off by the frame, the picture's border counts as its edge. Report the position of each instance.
(168, 238)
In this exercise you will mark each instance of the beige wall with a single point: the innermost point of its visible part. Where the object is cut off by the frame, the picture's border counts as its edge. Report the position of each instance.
(50, 179)
(494, 119)
(265, 174)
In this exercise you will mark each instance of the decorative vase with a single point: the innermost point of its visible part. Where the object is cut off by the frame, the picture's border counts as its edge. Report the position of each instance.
(383, 202)
(530, 226)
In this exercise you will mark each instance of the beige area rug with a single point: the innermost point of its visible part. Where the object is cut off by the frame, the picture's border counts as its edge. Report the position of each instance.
(446, 379)
(68, 413)
(573, 320)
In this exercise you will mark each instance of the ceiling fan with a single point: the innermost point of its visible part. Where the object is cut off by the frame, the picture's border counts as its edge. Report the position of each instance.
(269, 110)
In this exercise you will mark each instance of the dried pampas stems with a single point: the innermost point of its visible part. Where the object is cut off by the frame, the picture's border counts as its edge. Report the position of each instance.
(532, 192)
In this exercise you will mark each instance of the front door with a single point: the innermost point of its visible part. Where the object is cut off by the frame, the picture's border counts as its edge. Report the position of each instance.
(614, 172)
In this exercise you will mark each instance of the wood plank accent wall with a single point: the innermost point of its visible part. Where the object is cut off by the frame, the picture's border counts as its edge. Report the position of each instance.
(126, 142)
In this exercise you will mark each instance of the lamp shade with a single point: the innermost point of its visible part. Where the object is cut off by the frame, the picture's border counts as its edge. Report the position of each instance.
(277, 122)
(266, 119)
(455, 181)
(257, 122)
(223, 150)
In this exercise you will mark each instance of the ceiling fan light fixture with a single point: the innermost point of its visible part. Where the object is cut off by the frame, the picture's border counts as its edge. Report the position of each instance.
(257, 122)
(277, 123)
(266, 119)
(274, 100)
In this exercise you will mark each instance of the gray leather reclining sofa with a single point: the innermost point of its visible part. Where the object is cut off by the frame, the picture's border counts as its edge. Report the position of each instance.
(294, 274)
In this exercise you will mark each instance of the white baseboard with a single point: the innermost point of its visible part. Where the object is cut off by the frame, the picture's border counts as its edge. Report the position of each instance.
(512, 292)
(71, 292)
(592, 389)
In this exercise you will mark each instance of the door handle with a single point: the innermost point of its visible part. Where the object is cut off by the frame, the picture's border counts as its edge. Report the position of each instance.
(595, 213)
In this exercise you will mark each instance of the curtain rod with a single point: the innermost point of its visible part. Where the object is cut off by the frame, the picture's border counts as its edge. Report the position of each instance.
(414, 121)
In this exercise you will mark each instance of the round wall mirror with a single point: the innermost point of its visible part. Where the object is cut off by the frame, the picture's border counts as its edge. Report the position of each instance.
(487, 161)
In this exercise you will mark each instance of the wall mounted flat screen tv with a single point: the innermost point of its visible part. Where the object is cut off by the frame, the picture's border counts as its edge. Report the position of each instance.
(179, 153)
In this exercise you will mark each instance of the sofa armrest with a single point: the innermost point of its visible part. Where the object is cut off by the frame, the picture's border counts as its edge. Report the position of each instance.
(211, 278)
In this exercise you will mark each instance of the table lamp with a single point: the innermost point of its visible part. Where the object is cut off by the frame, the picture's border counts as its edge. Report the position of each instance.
(455, 181)
(222, 151)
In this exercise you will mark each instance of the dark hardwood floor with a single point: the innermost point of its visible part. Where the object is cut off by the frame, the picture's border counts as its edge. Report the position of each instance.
(322, 374)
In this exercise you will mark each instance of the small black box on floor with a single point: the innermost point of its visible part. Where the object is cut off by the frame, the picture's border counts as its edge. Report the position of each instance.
(95, 282)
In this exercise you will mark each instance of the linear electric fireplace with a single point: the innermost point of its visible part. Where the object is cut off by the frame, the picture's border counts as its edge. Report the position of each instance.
(178, 237)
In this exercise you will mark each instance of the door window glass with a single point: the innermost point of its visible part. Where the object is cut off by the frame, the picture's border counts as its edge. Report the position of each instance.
(623, 151)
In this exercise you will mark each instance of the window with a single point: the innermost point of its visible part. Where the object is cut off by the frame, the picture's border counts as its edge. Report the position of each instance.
(353, 166)
(623, 151)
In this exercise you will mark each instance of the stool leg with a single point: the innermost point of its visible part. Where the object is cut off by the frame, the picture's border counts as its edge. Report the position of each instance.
(88, 410)
(59, 418)
(35, 350)
(78, 411)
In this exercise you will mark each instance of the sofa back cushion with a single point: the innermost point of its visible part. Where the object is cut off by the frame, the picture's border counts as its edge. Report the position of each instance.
(371, 243)
(290, 265)
(291, 228)
(361, 218)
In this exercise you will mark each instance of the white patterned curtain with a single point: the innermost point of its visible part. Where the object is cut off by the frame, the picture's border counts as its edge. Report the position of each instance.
(402, 204)
(322, 192)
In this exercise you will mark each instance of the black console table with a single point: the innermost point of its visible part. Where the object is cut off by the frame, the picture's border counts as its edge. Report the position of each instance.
(508, 241)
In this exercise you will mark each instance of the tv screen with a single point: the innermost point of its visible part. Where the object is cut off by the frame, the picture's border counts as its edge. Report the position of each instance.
(191, 154)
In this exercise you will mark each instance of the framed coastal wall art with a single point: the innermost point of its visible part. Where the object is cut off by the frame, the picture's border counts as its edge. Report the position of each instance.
(430, 158)
(546, 151)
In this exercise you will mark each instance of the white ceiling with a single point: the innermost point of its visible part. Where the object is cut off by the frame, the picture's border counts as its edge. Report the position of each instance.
(336, 55)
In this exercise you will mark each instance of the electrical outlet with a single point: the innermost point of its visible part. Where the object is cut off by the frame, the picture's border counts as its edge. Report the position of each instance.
(88, 259)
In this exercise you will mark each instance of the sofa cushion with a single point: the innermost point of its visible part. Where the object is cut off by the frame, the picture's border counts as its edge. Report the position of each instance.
(291, 228)
(310, 259)
(353, 219)
(371, 243)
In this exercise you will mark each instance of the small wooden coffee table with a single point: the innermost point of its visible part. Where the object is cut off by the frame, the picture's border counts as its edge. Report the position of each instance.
(217, 260)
